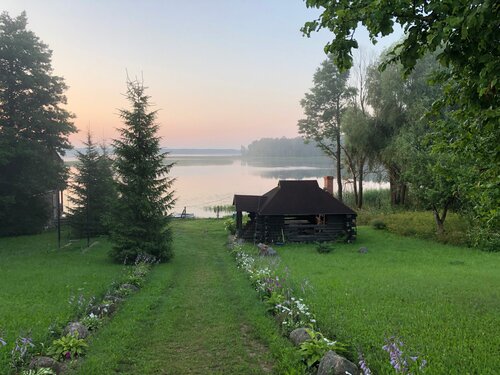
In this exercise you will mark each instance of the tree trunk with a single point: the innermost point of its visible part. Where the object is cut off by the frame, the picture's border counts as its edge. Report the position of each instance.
(355, 189)
(397, 187)
(360, 182)
(439, 219)
(339, 166)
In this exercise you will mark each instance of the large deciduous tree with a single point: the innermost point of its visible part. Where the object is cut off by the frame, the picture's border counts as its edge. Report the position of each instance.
(465, 33)
(323, 107)
(140, 222)
(34, 128)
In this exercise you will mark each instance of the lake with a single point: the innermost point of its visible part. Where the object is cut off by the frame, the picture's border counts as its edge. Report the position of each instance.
(205, 180)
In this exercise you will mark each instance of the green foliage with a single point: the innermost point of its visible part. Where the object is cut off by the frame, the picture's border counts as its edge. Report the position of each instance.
(465, 37)
(40, 371)
(484, 238)
(378, 224)
(324, 248)
(140, 220)
(92, 322)
(34, 129)
(230, 226)
(226, 208)
(92, 192)
(273, 299)
(421, 224)
(281, 147)
(323, 108)
(315, 348)
(67, 347)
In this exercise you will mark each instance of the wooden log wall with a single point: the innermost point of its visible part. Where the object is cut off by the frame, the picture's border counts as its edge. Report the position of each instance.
(272, 229)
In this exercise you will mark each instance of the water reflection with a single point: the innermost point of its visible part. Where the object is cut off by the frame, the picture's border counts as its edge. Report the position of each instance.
(208, 180)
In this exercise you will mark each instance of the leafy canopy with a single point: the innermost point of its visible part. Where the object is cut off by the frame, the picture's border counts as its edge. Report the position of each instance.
(34, 128)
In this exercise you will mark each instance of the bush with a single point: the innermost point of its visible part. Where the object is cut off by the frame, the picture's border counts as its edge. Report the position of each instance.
(230, 226)
(378, 224)
(324, 248)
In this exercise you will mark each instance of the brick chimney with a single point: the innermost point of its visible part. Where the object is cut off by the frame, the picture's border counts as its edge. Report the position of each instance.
(328, 184)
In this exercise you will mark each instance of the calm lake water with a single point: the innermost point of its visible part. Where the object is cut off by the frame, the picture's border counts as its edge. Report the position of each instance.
(203, 181)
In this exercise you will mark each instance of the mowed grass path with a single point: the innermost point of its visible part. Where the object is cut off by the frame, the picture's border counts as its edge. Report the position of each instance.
(195, 315)
(442, 301)
(37, 279)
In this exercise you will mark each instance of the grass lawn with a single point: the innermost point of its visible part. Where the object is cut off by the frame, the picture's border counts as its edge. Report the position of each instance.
(195, 315)
(37, 281)
(442, 301)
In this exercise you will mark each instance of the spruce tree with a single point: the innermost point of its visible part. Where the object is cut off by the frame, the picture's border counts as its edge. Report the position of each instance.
(34, 129)
(92, 192)
(140, 222)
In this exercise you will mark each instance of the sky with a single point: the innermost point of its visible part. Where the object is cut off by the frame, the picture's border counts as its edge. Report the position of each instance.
(221, 73)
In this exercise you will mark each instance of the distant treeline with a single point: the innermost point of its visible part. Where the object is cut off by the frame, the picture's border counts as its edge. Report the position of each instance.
(281, 147)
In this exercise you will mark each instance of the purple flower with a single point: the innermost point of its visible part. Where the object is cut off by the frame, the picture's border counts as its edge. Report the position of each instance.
(363, 366)
(67, 355)
(398, 362)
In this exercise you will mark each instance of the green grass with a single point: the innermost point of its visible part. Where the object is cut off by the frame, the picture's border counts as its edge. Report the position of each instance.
(419, 224)
(195, 315)
(37, 281)
(442, 301)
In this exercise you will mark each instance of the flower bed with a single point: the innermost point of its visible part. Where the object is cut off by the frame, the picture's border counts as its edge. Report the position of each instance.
(69, 343)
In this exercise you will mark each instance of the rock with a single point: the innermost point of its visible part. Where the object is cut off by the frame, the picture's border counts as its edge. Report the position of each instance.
(131, 287)
(113, 298)
(265, 250)
(362, 250)
(299, 335)
(76, 328)
(334, 364)
(231, 238)
(45, 362)
(104, 309)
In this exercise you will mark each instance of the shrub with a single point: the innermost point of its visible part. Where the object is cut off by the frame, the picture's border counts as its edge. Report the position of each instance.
(67, 347)
(324, 248)
(230, 226)
(315, 348)
(378, 224)
(92, 322)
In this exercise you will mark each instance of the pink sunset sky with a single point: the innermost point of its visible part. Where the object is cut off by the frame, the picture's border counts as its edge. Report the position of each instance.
(221, 73)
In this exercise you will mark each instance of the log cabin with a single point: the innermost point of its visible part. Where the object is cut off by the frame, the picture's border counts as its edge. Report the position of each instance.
(295, 211)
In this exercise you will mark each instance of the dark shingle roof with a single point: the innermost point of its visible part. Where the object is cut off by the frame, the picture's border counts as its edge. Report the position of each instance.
(293, 198)
(247, 203)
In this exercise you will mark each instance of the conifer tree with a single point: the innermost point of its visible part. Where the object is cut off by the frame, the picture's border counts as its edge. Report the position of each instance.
(92, 191)
(140, 222)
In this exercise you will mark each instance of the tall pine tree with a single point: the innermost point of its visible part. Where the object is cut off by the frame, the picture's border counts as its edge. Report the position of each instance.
(92, 192)
(34, 129)
(140, 222)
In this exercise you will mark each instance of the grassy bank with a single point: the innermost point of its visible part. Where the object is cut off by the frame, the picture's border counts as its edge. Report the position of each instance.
(196, 315)
(37, 282)
(442, 301)
(418, 224)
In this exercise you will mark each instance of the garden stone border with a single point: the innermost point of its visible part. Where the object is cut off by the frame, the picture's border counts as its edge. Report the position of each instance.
(331, 363)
